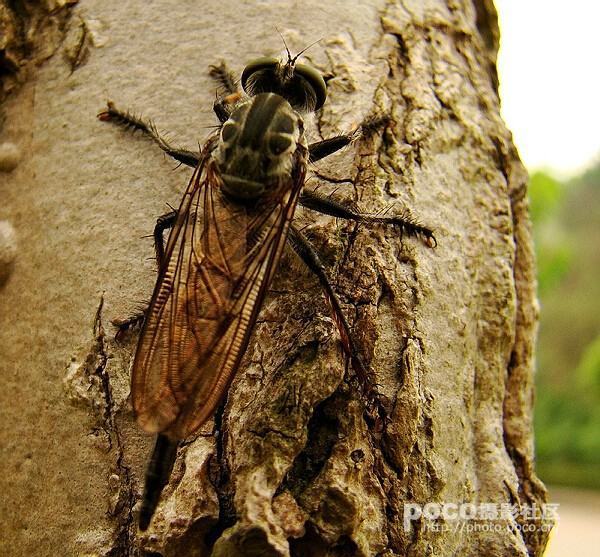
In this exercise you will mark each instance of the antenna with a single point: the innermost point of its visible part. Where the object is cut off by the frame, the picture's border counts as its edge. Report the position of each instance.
(304, 50)
(291, 60)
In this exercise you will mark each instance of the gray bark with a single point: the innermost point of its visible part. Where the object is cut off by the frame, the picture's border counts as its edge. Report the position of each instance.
(449, 333)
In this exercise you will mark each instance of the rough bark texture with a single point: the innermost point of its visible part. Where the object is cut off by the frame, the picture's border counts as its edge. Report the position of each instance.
(293, 470)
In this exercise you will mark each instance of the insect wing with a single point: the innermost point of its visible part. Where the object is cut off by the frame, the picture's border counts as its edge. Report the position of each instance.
(219, 260)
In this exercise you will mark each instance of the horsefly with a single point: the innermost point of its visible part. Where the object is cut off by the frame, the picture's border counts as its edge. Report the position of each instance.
(224, 246)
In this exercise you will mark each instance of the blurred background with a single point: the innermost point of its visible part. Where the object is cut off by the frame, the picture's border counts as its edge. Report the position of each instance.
(549, 86)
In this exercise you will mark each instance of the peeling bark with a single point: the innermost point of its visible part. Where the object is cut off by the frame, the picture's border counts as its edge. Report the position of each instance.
(289, 465)
(30, 33)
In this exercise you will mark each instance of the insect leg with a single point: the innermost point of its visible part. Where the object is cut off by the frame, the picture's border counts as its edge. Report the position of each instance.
(157, 475)
(164, 222)
(377, 404)
(224, 77)
(128, 120)
(322, 149)
(405, 222)
(307, 252)
(222, 108)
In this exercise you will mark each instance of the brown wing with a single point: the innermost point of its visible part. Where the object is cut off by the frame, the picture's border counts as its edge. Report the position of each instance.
(219, 261)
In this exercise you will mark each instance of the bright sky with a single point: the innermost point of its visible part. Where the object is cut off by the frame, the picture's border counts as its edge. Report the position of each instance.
(549, 66)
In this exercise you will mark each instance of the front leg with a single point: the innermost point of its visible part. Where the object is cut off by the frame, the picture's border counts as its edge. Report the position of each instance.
(128, 120)
(226, 79)
(223, 107)
(405, 222)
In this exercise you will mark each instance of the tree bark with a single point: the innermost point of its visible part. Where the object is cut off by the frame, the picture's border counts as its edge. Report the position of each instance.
(289, 466)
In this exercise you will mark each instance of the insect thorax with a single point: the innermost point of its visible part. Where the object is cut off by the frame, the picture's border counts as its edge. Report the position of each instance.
(257, 146)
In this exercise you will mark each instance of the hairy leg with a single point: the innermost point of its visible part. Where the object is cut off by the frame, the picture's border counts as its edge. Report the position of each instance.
(344, 210)
(307, 252)
(128, 120)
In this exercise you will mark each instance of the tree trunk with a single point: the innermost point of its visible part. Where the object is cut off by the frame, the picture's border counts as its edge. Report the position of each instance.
(290, 466)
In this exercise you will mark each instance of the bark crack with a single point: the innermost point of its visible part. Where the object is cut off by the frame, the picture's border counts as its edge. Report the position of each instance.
(123, 507)
(322, 435)
(220, 478)
(90, 382)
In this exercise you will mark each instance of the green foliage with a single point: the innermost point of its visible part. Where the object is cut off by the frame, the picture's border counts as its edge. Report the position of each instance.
(566, 221)
(567, 428)
(545, 193)
(569, 473)
(588, 370)
(552, 249)
(553, 262)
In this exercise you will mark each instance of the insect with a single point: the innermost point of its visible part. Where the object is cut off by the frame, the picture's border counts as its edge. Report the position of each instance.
(225, 242)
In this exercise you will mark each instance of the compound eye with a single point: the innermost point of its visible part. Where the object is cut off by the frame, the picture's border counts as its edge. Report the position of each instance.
(301, 85)
(260, 64)
(228, 132)
(279, 143)
(315, 80)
